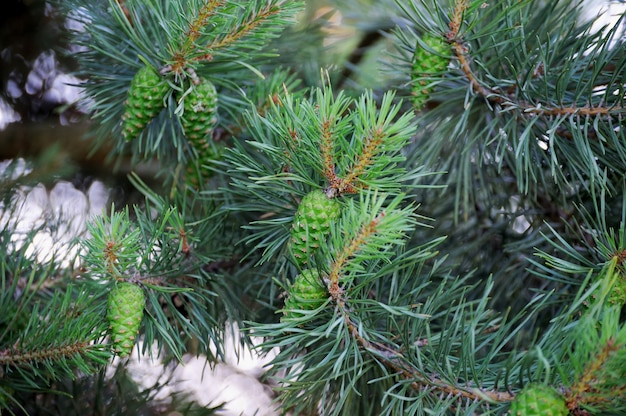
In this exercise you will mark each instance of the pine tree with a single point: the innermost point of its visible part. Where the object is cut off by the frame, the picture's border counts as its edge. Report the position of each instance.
(450, 241)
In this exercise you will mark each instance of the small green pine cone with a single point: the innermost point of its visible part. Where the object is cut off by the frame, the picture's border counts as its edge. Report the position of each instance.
(198, 121)
(144, 102)
(200, 115)
(306, 293)
(125, 307)
(311, 224)
(538, 400)
(427, 62)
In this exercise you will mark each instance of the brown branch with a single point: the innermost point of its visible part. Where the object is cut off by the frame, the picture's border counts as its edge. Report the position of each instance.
(389, 356)
(460, 51)
(493, 96)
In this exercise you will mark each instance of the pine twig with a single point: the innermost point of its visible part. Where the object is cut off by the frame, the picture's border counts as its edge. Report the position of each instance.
(248, 27)
(13, 356)
(390, 357)
(372, 144)
(328, 156)
(577, 395)
(193, 33)
(355, 244)
(457, 19)
(395, 361)
(492, 95)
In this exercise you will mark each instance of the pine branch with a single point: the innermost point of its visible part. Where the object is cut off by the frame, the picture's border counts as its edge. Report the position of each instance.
(177, 40)
(188, 43)
(327, 150)
(62, 334)
(375, 320)
(357, 243)
(248, 27)
(509, 101)
(185, 297)
(375, 145)
(395, 361)
(16, 356)
(585, 391)
(456, 21)
(354, 247)
(310, 143)
(509, 47)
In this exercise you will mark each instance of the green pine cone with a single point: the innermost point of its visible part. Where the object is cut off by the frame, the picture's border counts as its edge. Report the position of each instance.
(143, 103)
(125, 306)
(427, 63)
(312, 222)
(538, 400)
(306, 293)
(198, 121)
(200, 115)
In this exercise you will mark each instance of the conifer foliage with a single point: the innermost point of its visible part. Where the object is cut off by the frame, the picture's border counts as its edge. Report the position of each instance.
(451, 242)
